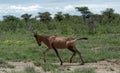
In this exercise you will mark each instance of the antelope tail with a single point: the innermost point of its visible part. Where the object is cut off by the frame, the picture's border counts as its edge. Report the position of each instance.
(82, 38)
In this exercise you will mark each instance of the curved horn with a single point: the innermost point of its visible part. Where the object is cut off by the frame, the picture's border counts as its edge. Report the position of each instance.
(31, 29)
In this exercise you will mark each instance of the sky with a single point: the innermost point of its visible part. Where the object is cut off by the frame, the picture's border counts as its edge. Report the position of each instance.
(19, 7)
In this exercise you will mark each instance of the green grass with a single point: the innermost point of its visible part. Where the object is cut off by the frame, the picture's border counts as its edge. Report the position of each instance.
(30, 70)
(84, 70)
(4, 64)
(23, 47)
(49, 67)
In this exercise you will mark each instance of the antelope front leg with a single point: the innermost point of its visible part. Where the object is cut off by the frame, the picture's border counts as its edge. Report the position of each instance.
(58, 55)
(45, 54)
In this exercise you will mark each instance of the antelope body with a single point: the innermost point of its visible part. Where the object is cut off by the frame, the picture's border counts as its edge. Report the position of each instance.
(62, 42)
(55, 42)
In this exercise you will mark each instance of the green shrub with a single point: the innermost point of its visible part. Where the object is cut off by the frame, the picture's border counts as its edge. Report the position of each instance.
(84, 70)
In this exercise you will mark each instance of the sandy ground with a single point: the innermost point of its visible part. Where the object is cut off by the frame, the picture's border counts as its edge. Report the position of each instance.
(107, 66)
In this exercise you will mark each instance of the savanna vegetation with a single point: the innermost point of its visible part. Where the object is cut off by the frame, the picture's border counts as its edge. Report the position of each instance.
(18, 44)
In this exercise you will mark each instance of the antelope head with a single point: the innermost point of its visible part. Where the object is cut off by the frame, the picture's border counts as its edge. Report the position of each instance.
(35, 35)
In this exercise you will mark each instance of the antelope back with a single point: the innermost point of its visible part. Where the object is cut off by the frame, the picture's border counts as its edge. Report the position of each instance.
(63, 42)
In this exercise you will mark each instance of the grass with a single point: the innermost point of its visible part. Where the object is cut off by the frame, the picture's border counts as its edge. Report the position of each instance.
(84, 70)
(4, 64)
(49, 67)
(23, 47)
(30, 70)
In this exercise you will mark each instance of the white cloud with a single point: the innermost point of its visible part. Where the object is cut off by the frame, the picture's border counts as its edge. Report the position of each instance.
(95, 8)
(6, 9)
(18, 8)
(69, 8)
(36, 8)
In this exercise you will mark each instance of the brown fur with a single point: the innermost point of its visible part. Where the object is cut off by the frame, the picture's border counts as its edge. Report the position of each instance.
(55, 42)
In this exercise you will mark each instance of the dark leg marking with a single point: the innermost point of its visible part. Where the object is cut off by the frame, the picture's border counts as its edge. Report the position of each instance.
(45, 54)
(57, 54)
(72, 50)
(79, 55)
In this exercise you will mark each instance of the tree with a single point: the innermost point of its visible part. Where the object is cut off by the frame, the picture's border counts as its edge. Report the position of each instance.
(97, 18)
(10, 23)
(45, 17)
(26, 17)
(87, 18)
(108, 14)
(67, 16)
(85, 12)
(10, 18)
(59, 16)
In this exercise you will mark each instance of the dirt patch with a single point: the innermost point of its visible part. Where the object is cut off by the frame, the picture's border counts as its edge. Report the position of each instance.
(20, 66)
(107, 66)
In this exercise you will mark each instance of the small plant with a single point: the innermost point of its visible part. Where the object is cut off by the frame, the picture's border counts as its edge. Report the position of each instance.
(4, 64)
(84, 70)
(16, 72)
(30, 70)
(37, 63)
(49, 67)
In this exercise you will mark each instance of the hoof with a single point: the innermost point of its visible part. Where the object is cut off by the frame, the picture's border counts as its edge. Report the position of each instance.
(44, 61)
(61, 64)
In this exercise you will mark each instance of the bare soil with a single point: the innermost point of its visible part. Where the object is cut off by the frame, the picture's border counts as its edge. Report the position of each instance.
(107, 66)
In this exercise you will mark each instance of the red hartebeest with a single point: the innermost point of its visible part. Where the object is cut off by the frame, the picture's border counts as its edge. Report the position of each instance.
(54, 42)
